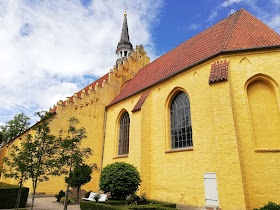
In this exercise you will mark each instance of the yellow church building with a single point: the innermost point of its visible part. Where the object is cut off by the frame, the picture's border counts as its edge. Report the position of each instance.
(201, 123)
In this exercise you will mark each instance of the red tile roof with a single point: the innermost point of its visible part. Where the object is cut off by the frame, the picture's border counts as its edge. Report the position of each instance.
(140, 102)
(219, 71)
(240, 30)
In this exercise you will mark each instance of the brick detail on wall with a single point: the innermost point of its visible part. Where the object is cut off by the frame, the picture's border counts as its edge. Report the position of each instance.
(219, 71)
(140, 102)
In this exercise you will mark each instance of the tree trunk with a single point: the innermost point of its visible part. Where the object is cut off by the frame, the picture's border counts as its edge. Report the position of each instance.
(66, 197)
(78, 194)
(33, 195)
(18, 195)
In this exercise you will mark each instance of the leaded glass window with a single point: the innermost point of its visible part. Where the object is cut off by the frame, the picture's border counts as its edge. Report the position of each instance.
(180, 121)
(124, 134)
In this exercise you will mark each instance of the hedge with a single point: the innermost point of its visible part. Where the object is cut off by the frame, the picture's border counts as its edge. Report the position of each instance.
(115, 202)
(118, 205)
(8, 196)
(149, 207)
(91, 205)
(165, 204)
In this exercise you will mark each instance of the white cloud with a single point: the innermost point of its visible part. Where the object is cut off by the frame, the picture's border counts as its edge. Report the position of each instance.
(213, 15)
(232, 11)
(268, 16)
(230, 2)
(193, 26)
(274, 22)
(46, 45)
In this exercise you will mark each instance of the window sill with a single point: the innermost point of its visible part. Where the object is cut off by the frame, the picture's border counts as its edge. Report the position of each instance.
(179, 150)
(267, 150)
(120, 156)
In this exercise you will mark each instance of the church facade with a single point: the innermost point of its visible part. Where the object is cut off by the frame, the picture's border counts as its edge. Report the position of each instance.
(200, 123)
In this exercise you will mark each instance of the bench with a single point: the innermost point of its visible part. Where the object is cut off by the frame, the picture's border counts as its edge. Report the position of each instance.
(103, 197)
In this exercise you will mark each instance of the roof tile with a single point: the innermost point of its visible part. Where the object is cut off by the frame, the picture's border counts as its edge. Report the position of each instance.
(240, 30)
(140, 102)
(219, 71)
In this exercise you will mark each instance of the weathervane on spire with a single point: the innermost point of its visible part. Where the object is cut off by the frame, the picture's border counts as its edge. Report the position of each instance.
(124, 47)
(125, 10)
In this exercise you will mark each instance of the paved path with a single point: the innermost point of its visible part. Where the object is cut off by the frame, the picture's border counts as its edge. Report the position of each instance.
(186, 207)
(49, 203)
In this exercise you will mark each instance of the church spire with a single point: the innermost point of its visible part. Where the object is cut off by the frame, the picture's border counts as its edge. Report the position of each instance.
(124, 46)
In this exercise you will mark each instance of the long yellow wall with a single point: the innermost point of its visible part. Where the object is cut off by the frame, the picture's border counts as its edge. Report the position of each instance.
(224, 135)
(257, 126)
(89, 109)
(235, 131)
(177, 176)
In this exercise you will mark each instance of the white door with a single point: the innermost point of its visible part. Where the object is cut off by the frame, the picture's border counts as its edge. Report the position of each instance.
(211, 191)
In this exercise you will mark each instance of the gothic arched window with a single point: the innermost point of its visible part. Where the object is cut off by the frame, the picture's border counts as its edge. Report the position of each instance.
(124, 134)
(180, 121)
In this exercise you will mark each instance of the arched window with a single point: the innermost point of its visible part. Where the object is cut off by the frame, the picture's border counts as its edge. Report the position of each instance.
(124, 134)
(180, 121)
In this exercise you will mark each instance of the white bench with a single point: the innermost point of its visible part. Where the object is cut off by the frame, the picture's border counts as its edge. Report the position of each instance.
(103, 197)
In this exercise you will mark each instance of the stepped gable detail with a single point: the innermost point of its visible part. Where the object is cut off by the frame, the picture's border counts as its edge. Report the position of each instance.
(219, 72)
(240, 30)
(109, 85)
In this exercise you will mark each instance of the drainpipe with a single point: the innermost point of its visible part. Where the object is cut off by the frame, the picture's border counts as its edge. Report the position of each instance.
(103, 142)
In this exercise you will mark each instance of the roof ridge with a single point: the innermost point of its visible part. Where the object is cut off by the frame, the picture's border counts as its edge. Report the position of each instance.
(240, 31)
(193, 37)
(231, 30)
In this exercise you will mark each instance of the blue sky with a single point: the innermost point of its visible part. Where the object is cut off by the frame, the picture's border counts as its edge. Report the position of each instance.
(52, 49)
(180, 19)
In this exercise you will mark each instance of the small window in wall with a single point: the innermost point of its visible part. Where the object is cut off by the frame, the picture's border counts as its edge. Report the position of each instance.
(180, 121)
(125, 53)
(124, 134)
(121, 53)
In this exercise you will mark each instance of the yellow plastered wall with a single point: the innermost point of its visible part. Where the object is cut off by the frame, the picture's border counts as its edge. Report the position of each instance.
(225, 125)
(259, 151)
(90, 111)
(178, 176)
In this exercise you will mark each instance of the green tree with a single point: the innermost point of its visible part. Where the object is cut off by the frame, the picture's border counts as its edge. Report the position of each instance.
(71, 154)
(14, 127)
(37, 154)
(80, 176)
(120, 179)
(16, 168)
(42, 148)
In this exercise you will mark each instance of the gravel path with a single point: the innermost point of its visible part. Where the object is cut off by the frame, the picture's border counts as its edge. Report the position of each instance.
(49, 203)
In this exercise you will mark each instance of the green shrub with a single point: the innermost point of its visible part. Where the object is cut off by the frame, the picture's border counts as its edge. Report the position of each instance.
(60, 195)
(143, 199)
(72, 200)
(133, 199)
(91, 205)
(96, 197)
(63, 199)
(115, 202)
(120, 180)
(165, 204)
(150, 207)
(8, 196)
(270, 206)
